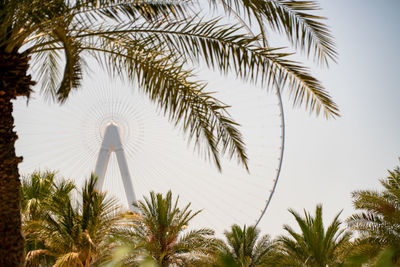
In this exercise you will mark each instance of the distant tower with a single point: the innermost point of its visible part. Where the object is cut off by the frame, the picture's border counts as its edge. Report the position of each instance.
(112, 143)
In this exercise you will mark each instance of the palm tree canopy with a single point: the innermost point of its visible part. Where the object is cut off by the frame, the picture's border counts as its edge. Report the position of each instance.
(38, 190)
(313, 246)
(245, 247)
(160, 230)
(74, 234)
(378, 221)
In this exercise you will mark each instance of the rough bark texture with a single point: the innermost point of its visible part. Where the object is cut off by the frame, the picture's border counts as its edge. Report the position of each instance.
(14, 82)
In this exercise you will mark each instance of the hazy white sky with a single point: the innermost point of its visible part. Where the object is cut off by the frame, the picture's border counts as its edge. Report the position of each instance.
(324, 160)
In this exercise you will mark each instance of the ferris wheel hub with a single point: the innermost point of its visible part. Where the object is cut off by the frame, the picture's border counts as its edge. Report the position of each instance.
(112, 122)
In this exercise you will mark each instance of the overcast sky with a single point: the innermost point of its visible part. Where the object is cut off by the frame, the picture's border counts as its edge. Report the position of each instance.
(326, 160)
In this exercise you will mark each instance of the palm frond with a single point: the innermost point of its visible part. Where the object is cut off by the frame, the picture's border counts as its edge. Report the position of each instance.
(33, 257)
(228, 49)
(130, 9)
(69, 259)
(294, 18)
(48, 63)
(165, 81)
(313, 246)
(73, 65)
(245, 248)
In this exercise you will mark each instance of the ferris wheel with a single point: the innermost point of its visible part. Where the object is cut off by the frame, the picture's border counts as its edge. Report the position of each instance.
(74, 139)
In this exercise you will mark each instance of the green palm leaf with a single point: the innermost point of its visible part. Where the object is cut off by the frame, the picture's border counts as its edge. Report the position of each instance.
(245, 248)
(294, 18)
(313, 246)
(74, 234)
(378, 221)
(158, 230)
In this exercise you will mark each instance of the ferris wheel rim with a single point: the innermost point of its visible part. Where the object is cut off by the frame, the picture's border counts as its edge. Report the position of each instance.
(281, 115)
(282, 149)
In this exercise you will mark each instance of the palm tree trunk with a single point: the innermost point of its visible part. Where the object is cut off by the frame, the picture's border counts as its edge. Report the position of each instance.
(14, 82)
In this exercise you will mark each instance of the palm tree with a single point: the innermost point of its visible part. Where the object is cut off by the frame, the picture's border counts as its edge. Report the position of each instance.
(149, 43)
(314, 246)
(378, 221)
(246, 249)
(74, 235)
(160, 231)
(38, 189)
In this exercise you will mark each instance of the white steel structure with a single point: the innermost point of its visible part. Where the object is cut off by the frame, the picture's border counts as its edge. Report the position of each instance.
(119, 134)
(112, 143)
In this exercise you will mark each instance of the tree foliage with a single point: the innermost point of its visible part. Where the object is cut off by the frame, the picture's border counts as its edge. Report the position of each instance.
(73, 233)
(39, 189)
(62, 230)
(245, 248)
(313, 246)
(159, 230)
(378, 220)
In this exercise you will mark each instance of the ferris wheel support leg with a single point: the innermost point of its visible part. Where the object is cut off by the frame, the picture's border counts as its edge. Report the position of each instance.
(126, 178)
(112, 143)
(101, 167)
